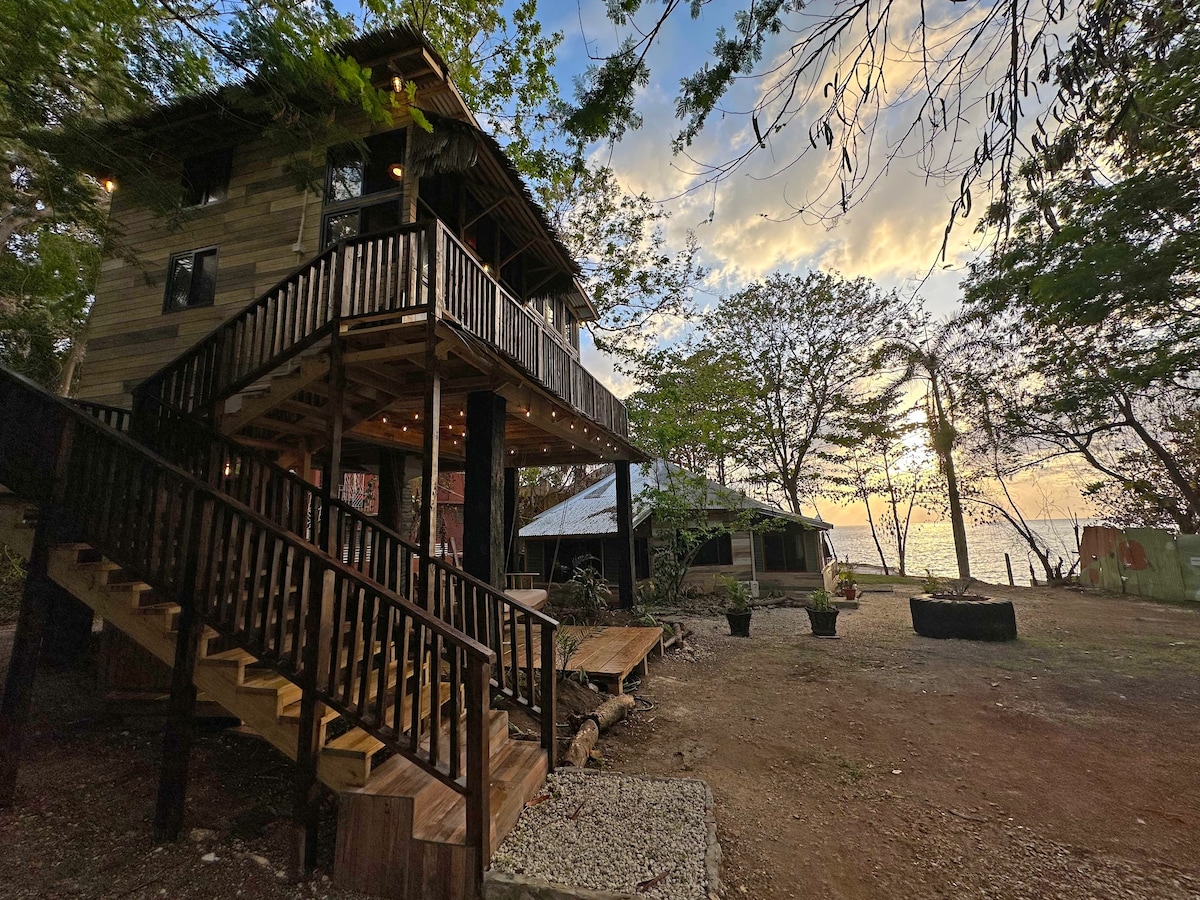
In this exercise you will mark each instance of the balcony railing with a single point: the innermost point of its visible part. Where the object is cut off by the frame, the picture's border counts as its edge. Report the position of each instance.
(376, 277)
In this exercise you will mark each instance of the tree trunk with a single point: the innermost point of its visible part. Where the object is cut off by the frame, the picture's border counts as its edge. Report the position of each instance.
(944, 445)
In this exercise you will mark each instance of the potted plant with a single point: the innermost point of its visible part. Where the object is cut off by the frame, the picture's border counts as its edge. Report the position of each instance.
(822, 614)
(738, 612)
(846, 582)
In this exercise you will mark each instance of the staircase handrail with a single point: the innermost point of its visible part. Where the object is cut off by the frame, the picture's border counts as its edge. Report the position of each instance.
(154, 536)
(297, 505)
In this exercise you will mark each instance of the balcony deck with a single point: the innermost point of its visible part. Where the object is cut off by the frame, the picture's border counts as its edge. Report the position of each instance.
(407, 301)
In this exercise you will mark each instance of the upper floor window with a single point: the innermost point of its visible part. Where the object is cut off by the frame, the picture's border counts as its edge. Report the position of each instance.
(191, 280)
(206, 177)
(353, 173)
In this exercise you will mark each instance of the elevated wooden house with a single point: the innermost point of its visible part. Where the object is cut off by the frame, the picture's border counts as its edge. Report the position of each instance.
(417, 315)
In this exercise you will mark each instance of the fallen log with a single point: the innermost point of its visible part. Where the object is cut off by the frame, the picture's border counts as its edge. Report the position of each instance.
(581, 745)
(604, 716)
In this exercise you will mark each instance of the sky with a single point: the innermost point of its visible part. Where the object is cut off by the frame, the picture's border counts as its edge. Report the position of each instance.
(744, 224)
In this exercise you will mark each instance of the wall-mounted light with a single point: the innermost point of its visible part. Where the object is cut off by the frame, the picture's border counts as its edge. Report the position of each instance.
(109, 185)
(487, 268)
(395, 171)
(397, 84)
(384, 420)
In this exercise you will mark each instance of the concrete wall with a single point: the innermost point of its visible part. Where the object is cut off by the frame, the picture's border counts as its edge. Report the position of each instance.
(1143, 562)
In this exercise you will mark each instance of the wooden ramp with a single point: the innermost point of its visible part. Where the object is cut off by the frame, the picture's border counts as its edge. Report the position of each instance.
(610, 654)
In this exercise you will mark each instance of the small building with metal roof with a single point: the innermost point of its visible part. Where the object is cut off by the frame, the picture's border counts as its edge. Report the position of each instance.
(792, 554)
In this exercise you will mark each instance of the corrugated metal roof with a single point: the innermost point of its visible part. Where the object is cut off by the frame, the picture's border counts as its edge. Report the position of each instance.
(593, 511)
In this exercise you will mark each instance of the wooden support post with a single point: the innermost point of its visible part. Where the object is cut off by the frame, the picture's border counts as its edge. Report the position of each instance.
(483, 493)
(431, 441)
(70, 620)
(391, 489)
(626, 577)
(511, 482)
(479, 812)
(22, 665)
(1008, 565)
(549, 699)
(180, 727)
(31, 619)
(306, 797)
(331, 478)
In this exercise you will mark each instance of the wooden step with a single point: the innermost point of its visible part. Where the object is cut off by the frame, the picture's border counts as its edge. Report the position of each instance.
(235, 660)
(274, 686)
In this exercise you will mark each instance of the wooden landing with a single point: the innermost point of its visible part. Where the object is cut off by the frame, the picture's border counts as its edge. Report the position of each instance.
(609, 654)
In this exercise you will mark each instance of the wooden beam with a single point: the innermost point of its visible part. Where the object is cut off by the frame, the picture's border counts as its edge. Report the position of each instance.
(280, 389)
(626, 576)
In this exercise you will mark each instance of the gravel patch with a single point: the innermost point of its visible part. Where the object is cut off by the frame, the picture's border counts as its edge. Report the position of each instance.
(620, 833)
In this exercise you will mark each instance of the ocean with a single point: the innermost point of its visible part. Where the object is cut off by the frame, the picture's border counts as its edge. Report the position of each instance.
(931, 545)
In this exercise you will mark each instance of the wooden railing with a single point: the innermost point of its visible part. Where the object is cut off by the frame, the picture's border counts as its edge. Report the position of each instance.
(523, 640)
(369, 277)
(357, 278)
(313, 619)
(112, 416)
(365, 544)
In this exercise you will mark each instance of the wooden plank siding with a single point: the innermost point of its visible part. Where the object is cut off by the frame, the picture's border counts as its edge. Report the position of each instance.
(253, 228)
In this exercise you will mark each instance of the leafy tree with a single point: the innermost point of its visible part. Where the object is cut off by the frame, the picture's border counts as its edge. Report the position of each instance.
(690, 410)
(636, 279)
(937, 363)
(882, 465)
(1095, 285)
(802, 346)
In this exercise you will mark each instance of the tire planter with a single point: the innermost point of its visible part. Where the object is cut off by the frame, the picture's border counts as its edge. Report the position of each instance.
(739, 623)
(823, 621)
(982, 619)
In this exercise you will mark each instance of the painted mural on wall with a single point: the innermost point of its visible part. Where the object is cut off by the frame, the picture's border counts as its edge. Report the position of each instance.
(1143, 562)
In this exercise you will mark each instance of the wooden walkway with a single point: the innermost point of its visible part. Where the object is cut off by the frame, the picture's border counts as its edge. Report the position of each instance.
(609, 654)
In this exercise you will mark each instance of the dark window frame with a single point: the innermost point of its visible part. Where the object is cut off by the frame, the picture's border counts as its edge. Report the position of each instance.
(343, 156)
(789, 541)
(195, 255)
(716, 551)
(207, 182)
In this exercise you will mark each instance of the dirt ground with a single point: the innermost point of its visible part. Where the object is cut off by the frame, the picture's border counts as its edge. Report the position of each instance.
(886, 765)
(879, 765)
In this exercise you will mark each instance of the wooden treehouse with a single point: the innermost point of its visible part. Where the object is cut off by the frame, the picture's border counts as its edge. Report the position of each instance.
(418, 315)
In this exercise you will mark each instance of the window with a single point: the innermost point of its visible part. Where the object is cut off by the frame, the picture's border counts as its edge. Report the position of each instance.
(717, 551)
(353, 177)
(206, 177)
(783, 551)
(191, 280)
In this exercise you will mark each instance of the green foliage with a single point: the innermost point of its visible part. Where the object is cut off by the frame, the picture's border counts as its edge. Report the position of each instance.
(502, 62)
(932, 584)
(801, 348)
(637, 281)
(821, 601)
(690, 410)
(845, 575)
(736, 593)
(1095, 286)
(589, 591)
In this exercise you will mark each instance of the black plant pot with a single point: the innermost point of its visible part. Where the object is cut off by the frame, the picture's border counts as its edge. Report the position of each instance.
(823, 621)
(739, 623)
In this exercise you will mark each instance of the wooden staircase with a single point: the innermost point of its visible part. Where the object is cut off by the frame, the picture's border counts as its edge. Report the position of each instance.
(428, 779)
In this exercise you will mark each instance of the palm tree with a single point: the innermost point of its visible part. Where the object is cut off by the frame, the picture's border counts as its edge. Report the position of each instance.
(929, 361)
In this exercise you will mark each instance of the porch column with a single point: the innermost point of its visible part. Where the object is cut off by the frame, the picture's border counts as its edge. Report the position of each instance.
(626, 577)
(331, 477)
(511, 480)
(431, 447)
(391, 489)
(483, 494)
